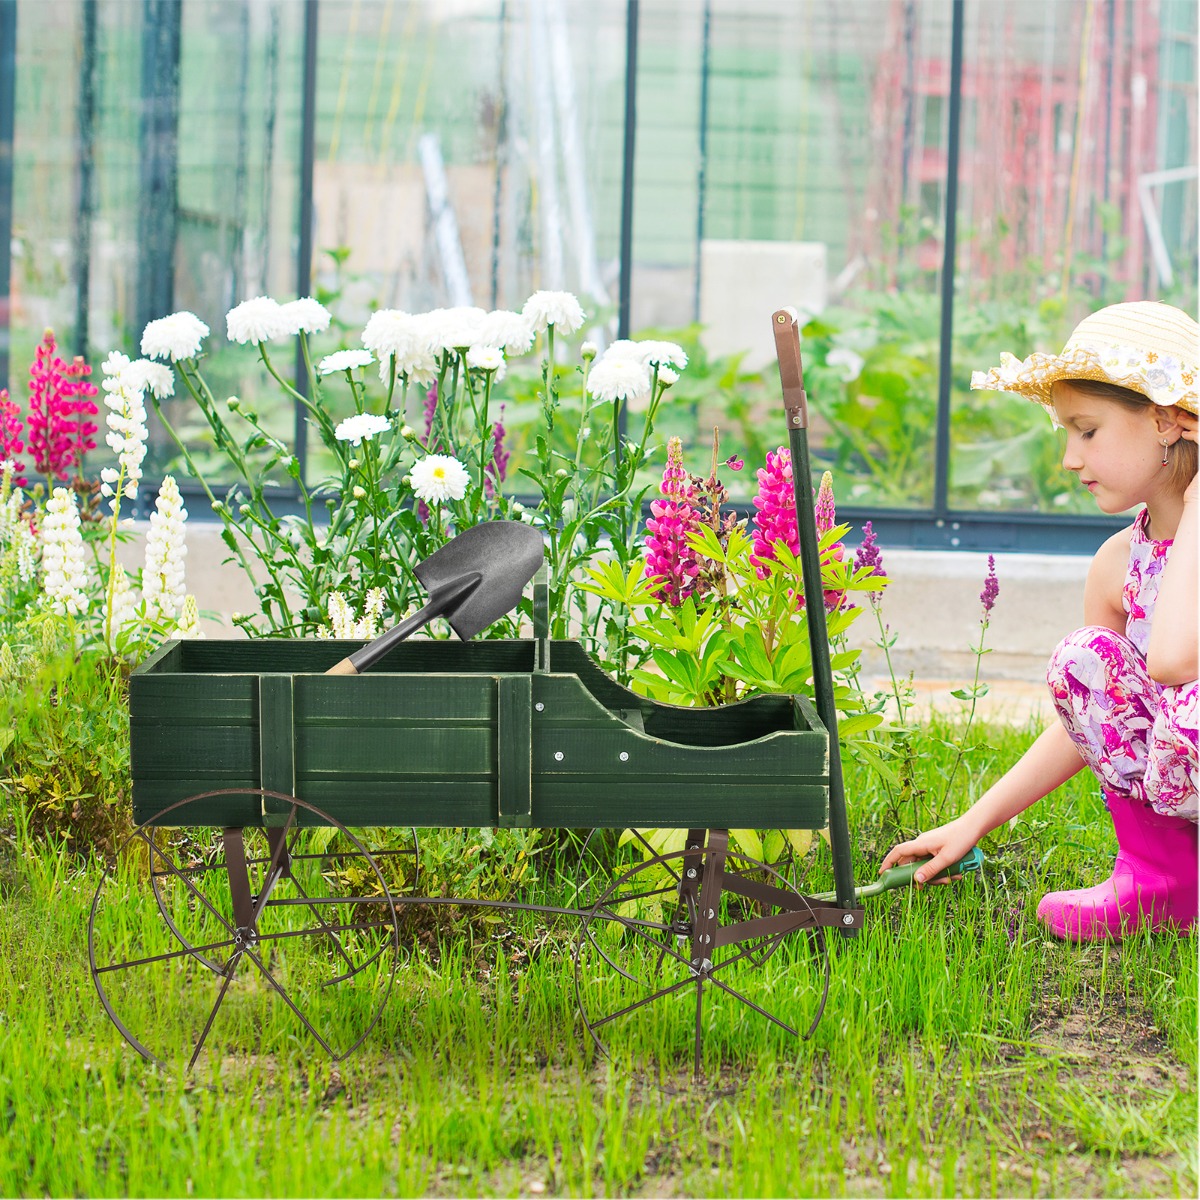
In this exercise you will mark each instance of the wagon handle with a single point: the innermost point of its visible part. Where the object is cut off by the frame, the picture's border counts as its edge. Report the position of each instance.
(786, 328)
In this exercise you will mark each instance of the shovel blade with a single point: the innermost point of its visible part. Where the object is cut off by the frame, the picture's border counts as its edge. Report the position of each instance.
(505, 555)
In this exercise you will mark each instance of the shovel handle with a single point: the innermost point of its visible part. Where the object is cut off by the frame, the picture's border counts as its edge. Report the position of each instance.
(896, 877)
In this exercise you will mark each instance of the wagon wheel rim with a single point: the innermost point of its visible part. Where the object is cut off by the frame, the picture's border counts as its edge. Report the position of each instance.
(720, 978)
(783, 871)
(297, 938)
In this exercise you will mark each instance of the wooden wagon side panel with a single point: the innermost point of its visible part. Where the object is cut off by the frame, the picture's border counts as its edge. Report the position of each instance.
(591, 767)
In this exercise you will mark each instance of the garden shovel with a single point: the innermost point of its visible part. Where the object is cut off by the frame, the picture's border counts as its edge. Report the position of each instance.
(896, 877)
(473, 580)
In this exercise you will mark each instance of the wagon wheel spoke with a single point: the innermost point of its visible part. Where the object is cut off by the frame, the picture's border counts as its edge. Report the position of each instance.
(642, 980)
(170, 959)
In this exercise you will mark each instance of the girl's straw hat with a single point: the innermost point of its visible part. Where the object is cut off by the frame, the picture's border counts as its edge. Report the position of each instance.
(1146, 346)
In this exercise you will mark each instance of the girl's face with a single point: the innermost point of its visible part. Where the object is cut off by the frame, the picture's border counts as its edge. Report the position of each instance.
(1115, 451)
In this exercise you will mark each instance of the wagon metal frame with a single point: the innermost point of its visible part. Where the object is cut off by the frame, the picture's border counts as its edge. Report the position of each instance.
(516, 733)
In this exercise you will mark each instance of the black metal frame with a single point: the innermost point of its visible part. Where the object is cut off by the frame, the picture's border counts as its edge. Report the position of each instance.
(935, 527)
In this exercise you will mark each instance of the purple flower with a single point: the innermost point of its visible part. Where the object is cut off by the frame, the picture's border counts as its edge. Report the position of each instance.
(497, 469)
(868, 555)
(734, 463)
(431, 399)
(991, 589)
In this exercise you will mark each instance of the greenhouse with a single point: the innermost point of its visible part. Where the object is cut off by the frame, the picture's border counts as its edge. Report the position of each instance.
(536, 535)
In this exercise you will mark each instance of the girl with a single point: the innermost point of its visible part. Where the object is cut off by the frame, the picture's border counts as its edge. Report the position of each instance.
(1124, 389)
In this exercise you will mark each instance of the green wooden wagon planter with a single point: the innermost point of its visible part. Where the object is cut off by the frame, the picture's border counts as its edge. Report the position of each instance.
(252, 766)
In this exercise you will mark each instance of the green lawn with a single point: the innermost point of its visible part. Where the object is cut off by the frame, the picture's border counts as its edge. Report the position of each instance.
(962, 1052)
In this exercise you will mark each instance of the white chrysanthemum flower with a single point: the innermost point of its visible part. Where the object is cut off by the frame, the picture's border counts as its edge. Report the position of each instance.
(174, 337)
(143, 375)
(559, 309)
(258, 320)
(126, 420)
(451, 330)
(64, 564)
(625, 348)
(485, 358)
(364, 425)
(589, 350)
(438, 478)
(345, 360)
(663, 354)
(391, 332)
(667, 377)
(618, 378)
(508, 331)
(305, 315)
(163, 587)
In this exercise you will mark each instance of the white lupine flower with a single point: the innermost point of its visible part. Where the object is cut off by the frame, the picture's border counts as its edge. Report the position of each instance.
(258, 320)
(174, 337)
(18, 542)
(662, 354)
(559, 309)
(507, 331)
(126, 421)
(341, 616)
(618, 378)
(305, 315)
(342, 622)
(345, 360)
(120, 608)
(64, 571)
(486, 358)
(188, 625)
(438, 478)
(163, 587)
(355, 429)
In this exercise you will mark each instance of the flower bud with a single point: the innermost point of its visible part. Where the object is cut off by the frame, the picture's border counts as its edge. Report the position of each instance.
(408, 432)
(562, 473)
(588, 350)
(359, 493)
(234, 403)
(354, 464)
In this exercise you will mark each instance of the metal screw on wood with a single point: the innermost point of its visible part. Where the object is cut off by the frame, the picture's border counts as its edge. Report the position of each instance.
(624, 756)
(691, 873)
(540, 706)
(558, 756)
(848, 919)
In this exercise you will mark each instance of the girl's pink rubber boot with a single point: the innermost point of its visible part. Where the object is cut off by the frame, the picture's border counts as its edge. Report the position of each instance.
(1153, 880)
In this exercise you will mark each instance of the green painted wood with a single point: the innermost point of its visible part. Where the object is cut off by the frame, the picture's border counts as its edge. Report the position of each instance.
(461, 747)
(276, 742)
(514, 758)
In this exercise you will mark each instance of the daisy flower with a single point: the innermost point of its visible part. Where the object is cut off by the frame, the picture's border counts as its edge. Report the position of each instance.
(438, 478)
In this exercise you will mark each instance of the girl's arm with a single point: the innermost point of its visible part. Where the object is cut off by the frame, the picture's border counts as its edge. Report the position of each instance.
(1173, 654)
(1047, 764)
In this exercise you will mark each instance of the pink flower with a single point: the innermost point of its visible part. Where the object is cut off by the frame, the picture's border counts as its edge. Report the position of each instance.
(11, 444)
(668, 555)
(59, 405)
(431, 399)
(775, 520)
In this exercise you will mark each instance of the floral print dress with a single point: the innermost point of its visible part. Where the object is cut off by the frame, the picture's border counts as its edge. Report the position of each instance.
(1136, 735)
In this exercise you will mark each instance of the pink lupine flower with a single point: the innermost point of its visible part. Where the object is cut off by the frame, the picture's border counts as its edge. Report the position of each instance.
(59, 405)
(11, 444)
(775, 520)
(669, 558)
(734, 463)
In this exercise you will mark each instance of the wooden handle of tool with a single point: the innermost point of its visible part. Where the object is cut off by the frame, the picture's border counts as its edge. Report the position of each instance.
(345, 667)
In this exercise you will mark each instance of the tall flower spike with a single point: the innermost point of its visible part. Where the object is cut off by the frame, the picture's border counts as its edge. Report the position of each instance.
(991, 589)
(775, 520)
(497, 469)
(163, 578)
(826, 512)
(59, 403)
(868, 555)
(64, 570)
(669, 558)
(11, 427)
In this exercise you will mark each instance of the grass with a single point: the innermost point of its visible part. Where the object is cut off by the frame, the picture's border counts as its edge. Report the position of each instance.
(962, 1052)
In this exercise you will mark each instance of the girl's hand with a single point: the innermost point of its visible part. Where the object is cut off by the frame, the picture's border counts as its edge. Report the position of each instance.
(946, 844)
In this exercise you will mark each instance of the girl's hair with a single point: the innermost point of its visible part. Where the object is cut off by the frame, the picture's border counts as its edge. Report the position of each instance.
(1184, 453)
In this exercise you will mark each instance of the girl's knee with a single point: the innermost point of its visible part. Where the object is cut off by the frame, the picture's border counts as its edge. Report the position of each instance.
(1090, 657)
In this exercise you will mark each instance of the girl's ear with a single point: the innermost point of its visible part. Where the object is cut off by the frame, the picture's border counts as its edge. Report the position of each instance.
(1168, 419)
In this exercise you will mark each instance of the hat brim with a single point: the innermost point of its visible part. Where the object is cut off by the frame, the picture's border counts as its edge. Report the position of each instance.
(1162, 379)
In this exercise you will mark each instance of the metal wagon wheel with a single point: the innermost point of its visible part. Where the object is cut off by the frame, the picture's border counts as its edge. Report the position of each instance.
(591, 865)
(234, 937)
(671, 949)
